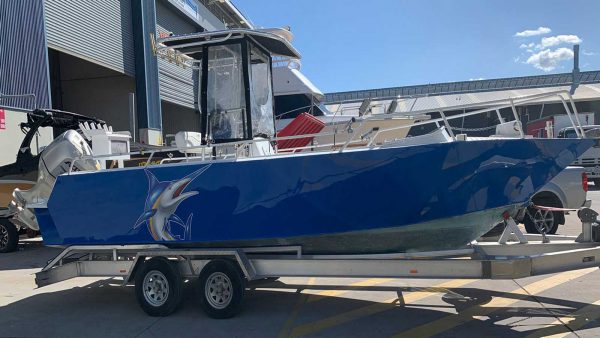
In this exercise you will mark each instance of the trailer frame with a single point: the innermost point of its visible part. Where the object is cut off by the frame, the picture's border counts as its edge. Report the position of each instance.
(509, 256)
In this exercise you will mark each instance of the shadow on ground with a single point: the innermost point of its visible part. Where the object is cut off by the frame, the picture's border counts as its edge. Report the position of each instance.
(106, 309)
(31, 255)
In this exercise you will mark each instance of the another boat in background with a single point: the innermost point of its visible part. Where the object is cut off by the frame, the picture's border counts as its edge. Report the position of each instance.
(295, 95)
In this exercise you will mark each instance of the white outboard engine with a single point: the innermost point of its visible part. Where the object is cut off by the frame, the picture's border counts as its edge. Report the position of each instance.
(54, 160)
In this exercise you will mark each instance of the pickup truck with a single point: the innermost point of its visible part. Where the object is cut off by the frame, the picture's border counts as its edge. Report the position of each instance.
(567, 190)
(590, 160)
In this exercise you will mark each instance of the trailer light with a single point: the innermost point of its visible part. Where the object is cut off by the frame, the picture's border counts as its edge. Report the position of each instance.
(584, 182)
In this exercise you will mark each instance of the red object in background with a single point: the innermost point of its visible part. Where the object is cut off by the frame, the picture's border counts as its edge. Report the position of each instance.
(2, 119)
(584, 182)
(302, 125)
(538, 128)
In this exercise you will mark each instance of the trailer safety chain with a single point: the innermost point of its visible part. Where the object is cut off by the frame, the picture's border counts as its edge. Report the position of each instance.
(538, 225)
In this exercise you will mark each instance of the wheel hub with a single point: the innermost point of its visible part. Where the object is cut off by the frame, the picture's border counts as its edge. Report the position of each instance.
(218, 290)
(543, 220)
(156, 288)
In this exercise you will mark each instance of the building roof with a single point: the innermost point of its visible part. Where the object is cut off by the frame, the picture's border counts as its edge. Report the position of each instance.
(463, 87)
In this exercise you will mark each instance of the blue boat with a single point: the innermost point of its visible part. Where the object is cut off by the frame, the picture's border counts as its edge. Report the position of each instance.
(398, 197)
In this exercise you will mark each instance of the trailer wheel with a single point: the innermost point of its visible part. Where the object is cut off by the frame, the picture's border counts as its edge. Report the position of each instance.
(158, 287)
(222, 286)
(9, 236)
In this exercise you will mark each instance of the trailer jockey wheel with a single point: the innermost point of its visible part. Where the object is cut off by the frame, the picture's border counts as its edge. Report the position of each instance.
(158, 287)
(222, 286)
(9, 236)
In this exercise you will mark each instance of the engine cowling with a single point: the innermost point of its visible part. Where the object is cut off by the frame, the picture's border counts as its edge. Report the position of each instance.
(55, 160)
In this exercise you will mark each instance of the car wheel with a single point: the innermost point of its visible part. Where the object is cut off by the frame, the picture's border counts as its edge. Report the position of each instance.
(536, 219)
(9, 236)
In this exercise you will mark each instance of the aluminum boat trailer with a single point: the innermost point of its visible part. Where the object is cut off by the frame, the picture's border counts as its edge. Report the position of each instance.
(158, 272)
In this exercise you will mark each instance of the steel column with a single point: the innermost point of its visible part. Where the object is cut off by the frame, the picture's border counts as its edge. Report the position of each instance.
(146, 64)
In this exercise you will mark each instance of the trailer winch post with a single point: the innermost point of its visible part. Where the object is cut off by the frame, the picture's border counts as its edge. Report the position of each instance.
(587, 217)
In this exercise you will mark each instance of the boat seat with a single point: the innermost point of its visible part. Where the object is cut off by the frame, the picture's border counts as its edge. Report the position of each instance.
(303, 124)
(261, 147)
(188, 139)
(508, 129)
(437, 136)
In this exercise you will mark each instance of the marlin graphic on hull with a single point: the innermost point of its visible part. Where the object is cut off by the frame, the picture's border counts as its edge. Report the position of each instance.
(161, 205)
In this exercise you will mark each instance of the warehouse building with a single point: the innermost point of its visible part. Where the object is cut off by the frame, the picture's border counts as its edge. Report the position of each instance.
(96, 58)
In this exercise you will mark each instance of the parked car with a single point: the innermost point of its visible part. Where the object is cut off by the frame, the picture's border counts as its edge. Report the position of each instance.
(568, 190)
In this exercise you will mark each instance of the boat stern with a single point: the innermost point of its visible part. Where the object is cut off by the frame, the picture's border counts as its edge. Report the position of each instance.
(46, 224)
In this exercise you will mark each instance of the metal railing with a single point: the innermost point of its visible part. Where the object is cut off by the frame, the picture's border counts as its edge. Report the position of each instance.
(501, 104)
(358, 139)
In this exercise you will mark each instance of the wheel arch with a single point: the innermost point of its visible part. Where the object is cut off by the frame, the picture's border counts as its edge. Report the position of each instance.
(550, 198)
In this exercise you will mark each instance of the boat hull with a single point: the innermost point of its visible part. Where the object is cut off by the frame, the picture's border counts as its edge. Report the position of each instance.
(445, 234)
(358, 201)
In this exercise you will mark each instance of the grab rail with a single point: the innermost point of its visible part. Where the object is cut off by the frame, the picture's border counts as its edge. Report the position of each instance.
(352, 140)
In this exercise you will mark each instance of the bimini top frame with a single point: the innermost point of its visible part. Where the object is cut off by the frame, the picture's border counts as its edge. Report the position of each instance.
(267, 39)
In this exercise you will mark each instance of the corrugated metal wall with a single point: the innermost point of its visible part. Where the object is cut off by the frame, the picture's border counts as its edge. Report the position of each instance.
(23, 54)
(167, 20)
(176, 82)
(99, 31)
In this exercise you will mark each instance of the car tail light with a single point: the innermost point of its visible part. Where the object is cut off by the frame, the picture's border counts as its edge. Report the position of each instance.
(584, 182)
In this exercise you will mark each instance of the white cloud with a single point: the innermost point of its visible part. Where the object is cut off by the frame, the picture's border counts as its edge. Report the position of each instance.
(477, 79)
(528, 45)
(533, 32)
(558, 40)
(547, 60)
(588, 53)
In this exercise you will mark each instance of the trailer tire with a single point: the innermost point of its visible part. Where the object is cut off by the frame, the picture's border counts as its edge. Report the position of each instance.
(158, 287)
(9, 236)
(222, 286)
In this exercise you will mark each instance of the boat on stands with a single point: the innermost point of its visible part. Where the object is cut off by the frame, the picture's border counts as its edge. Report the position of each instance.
(234, 187)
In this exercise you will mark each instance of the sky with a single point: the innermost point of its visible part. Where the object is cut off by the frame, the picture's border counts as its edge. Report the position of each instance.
(354, 45)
